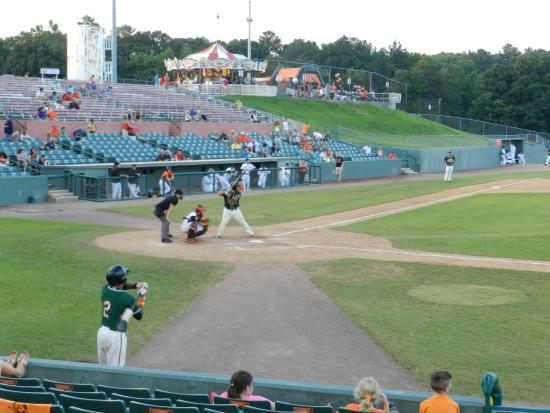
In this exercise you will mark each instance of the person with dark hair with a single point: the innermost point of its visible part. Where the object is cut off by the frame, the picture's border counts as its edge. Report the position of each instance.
(241, 386)
(162, 212)
(115, 175)
(118, 307)
(231, 209)
(440, 402)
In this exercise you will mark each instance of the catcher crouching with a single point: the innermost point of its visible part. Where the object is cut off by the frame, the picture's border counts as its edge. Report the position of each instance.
(195, 223)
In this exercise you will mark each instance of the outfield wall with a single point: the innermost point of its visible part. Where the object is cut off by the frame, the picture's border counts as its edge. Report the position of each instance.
(471, 157)
(185, 382)
(23, 189)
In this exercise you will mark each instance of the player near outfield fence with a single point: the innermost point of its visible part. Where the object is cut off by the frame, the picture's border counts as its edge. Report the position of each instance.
(118, 308)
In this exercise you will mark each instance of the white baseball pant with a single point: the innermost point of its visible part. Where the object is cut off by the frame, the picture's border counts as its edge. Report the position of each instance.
(237, 214)
(111, 347)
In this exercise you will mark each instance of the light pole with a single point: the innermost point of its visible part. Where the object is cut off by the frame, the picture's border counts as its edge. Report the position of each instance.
(249, 20)
(114, 46)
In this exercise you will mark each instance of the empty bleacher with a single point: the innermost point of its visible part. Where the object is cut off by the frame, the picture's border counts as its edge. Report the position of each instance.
(17, 94)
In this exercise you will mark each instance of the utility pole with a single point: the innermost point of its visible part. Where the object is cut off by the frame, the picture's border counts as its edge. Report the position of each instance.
(249, 20)
(114, 54)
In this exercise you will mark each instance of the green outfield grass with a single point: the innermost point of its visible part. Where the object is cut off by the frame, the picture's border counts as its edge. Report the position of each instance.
(266, 209)
(367, 121)
(465, 320)
(497, 225)
(51, 279)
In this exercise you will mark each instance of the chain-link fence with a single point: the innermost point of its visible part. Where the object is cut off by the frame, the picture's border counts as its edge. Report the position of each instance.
(493, 130)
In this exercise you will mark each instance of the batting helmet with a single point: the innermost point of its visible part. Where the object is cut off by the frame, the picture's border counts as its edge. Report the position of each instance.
(117, 274)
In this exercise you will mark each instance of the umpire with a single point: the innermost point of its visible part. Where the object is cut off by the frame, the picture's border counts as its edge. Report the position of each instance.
(162, 212)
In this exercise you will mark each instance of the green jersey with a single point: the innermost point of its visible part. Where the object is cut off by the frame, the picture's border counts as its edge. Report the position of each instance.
(114, 303)
(232, 202)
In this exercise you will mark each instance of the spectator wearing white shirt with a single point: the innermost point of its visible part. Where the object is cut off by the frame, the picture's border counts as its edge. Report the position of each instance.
(367, 150)
(40, 93)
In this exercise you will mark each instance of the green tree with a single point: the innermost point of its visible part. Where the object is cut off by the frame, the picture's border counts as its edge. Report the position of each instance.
(300, 50)
(271, 43)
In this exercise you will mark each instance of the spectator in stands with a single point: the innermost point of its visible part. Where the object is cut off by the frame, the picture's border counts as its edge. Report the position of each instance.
(166, 81)
(54, 132)
(108, 89)
(8, 128)
(305, 128)
(115, 175)
(63, 133)
(4, 161)
(204, 117)
(165, 155)
(53, 96)
(367, 150)
(40, 93)
(285, 125)
(239, 105)
(22, 159)
(369, 397)
(187, 116)
(193, 114)
(50, 144)
(126, 126)
(253, 117)
(179, 155)
(52, 113)
(15, 366)
(223, 137)
(241, 386)
(440, 382)
(42, 113)
(74, 105)
(380, 153)
(92, 127)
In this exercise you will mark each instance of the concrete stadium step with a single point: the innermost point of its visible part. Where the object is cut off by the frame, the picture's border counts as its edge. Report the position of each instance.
(61, 196)
(408, 171)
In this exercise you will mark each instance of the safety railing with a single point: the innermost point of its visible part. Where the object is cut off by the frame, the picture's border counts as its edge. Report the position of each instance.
(103, 188)
(234, 90)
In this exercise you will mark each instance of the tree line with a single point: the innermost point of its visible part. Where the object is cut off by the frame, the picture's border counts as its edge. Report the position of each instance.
(509, 87)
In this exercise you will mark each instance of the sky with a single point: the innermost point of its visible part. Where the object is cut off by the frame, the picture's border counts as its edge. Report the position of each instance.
(424, 26)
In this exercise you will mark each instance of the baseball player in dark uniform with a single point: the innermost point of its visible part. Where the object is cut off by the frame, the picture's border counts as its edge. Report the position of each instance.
(118, 308)
(449, 163)
(231, 209)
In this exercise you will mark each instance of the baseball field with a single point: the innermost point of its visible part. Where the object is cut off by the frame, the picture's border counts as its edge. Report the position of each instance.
(437, 275)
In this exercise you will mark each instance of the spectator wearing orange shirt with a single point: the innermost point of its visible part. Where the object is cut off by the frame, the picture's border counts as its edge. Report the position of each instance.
(54, 132)
(305, 128)
(179, 155)
(440, 402)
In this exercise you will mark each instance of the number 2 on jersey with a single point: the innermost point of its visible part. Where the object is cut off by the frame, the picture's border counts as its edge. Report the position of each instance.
(106, 308)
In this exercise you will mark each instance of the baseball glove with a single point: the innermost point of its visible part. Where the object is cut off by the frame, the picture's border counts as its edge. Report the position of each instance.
(205, 221)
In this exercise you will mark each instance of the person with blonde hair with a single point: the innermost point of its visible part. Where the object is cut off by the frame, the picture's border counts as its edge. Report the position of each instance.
(369, 397)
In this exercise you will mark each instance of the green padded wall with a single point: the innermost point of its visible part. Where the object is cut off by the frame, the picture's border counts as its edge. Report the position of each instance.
(183, 382)
(23, 189)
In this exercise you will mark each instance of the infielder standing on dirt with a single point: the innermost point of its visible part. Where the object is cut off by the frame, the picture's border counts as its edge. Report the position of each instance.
(231, 208)
(118, 308)
(449, 163)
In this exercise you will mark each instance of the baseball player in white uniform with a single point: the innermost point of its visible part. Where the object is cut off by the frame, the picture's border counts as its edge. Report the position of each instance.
(246, 168)
(263, 172)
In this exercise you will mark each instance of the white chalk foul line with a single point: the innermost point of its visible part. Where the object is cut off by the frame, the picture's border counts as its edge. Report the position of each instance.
(431, 254)
(394, 211)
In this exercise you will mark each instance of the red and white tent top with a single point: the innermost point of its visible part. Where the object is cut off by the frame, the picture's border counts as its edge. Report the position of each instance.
(213, 52)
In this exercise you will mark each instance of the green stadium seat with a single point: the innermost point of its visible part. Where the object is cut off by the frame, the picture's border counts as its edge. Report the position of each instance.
(33, 389)
(95, 405)
(211, 410)
(28, 397)
(289, 407)
(77, 410)
(48, 384)
(135, 407)
(20, 382)
(250, 409)
(224, 408)
(100, 395)
(145, 400)
(126, 391)
(261, 404)
(195, 398)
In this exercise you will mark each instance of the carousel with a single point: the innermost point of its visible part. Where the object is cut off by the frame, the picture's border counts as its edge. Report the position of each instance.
(215, 65)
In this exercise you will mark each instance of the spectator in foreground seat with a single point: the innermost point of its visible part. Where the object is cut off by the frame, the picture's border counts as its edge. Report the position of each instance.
(440, 402)
(14, 366)
(369, 397)
(241, 386)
